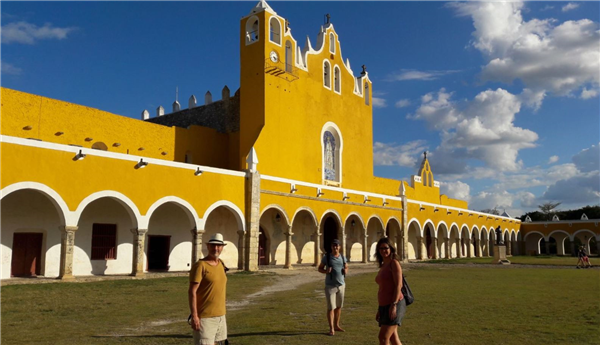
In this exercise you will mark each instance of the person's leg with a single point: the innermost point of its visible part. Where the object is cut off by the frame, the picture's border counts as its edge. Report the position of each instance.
(385, 334)
(330, 321)
(337, 315)
(330, 297)
(221, 335)
(395, 338)
(339, 303)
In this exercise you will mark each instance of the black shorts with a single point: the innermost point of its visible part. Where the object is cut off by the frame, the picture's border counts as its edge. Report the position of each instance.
(384, 314)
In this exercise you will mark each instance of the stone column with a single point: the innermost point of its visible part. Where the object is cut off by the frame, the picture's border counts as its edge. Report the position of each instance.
(421, 250)
(288, 248)
(196, 245)
(434, 253)
(252, 220)
(365, 248)
(458, 248)
(573, 250)
(468, 246)
(317, 236)
(343, 249)
(486, 252)
(66, 252)
(478, 244)
(400, 246)
(447, 247)
(509, 248)
(404, 228)
(547, 245)
(139, 241)
(241, 255)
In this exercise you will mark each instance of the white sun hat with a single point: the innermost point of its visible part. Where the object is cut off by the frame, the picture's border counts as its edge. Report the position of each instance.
(217, 239)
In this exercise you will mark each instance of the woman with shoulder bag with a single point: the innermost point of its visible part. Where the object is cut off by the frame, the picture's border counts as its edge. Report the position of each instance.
(392, 305)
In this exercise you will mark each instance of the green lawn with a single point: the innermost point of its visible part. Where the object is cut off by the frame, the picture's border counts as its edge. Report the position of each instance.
(454, 305)
(551, 260)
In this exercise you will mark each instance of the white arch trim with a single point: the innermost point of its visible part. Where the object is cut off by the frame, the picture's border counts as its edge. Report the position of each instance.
(357, 216)
(61, 206)
(534, 232)
(379, 219)
(592, 234)
(395, 219)
(229, 205)
(307, 209)
(559, 231)
(428, 221)
(335, 213)
(190, 210)
(454, 226)
(278, 208)
(130, 207)
(419, 227)
(446, 233)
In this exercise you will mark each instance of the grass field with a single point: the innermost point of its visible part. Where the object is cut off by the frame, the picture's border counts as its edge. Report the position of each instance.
(454, 305)
(551, 260)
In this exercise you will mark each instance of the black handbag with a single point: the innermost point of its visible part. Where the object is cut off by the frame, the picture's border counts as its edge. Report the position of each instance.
(408, 296)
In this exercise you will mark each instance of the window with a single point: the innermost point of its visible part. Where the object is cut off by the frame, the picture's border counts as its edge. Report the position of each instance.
(336, 79)
(327, 74)
(332, 43)
(275, 31)
(104, 241)
(100, 146)
(332, 145)
(252, 30)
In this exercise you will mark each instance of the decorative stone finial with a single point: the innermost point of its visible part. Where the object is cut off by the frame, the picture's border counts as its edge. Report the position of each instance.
(402, 190)
(207, 98)
(327, 18)
(252, 160)
(176, 106)
(225, 94)
(145, 115)
(192, 102)
(425, 154)
(364, 70)
(160, 111)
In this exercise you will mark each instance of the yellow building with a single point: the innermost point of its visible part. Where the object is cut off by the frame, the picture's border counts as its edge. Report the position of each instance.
(281, 168)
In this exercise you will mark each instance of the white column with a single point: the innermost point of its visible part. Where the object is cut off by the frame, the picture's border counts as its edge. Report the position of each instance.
(66, 252)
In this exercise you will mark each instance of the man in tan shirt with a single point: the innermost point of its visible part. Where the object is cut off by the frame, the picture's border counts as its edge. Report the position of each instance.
(206, 295)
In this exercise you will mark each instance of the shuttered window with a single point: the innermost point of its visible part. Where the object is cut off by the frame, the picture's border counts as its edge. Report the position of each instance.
(104, 241)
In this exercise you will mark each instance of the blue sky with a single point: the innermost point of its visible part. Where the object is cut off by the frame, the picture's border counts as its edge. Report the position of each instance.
(503, 96)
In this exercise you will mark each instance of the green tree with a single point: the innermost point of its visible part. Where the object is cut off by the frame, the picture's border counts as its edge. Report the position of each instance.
(549, 208)
(493, 211)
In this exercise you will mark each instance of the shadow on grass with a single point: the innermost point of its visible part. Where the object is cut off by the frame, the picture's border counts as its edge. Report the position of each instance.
(280, 333)
(166, 336)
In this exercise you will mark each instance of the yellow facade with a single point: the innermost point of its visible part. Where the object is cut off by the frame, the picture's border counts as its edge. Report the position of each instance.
(307, 118)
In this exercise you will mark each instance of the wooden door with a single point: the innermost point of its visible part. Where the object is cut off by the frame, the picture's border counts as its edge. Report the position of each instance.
(26, 254)
(262, 248)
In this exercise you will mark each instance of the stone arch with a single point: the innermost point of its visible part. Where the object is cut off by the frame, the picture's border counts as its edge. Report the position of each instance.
(429, 236)
(55, 198)
(274, 225)
(560, 237)
(304, 227)
(252, 30)
(129, 205)
(584, 236)
(476, 237)
(442, 235)
(239, 215)
(331, 130)
(275, 30)
(225, 218)
(485, 241)
(414, 233)
(375, 231)
(532, 242)
(466, 248)
(355, 229)
(185, 206)
(331, 227)
(31, 231)
(393, 230)
(454, 239)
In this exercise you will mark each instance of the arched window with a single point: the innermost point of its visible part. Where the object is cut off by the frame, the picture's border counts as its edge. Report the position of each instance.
(288, 56)
(275, 30)
(332, 43)
(252, 30)
(336, 79)
(327, 74)
(100, 146)
(366, 93)
(332, 144)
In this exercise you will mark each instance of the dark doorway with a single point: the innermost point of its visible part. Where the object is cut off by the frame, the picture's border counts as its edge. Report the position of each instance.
(552, 248)
(428, 243)
(330, 233)
(263, 257)
(387, 231)
(26, 254)
(475, 247)
(158, 252)
(543, 247)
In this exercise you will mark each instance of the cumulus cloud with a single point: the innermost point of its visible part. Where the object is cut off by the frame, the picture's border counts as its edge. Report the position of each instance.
(544, 54)
(456, 190)
(570, 6)
(27, 33)
(411, 74)
(579, 189)
(379, 102)
(588, 159)
(486, 200)
(403, 103)
(482, 129)
(587, 94)
(553, 159)
(403, 155)
(8, 68)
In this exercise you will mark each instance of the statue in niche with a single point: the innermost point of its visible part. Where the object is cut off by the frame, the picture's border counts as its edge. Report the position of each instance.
(499, 240)
(329, 141)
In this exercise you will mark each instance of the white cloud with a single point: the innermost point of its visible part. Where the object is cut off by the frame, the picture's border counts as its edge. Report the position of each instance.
(559, 58)
(411, 74)
(547, 7)
(570, 6)
(579, 189)
(8, 68)
(485, 200)
(553, 159)
(27, 33)
(456, 190)
(379, 102)
(588, 159)
(403, 103)
(587, 94)
(483, 130)
(403, 155)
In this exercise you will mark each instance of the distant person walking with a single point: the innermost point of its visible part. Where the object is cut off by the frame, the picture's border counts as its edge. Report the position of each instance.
(335, 267)
(392, 306)
(583, 258)
(206, 295)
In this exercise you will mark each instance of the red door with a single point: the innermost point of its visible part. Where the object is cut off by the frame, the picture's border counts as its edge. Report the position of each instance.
(26, 254)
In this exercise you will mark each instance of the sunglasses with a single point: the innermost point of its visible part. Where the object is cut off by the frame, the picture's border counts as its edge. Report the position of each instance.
(384, 248)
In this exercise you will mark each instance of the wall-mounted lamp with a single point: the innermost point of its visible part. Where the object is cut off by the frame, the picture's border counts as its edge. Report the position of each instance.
(164, 153)
(448, 211)
(460, 213)
(58, 134)
(353, 223)
(319, 192)
(435, 210)
(79, 156)
(293, 188)
(385, 202)
(141, 149)
(277, 217)
(480, 216)
(421, 208)
(116, 144)
(345, 197)
(141, 164)
(27, 128)
(88, 139)
(366, 199)
(198, 172)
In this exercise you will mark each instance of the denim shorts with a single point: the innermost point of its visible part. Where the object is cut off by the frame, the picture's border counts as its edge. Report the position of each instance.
(384, 314)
